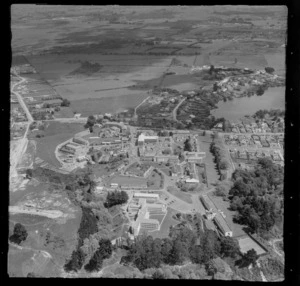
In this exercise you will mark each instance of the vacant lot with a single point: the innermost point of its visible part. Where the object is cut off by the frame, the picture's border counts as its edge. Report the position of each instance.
(180, 195)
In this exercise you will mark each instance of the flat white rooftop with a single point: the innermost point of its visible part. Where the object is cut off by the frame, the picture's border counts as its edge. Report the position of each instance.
(146, 195)
(144, 137)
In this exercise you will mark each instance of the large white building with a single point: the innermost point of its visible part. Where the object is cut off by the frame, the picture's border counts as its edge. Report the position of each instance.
(146, 196)
(195, 157)
(142, 139)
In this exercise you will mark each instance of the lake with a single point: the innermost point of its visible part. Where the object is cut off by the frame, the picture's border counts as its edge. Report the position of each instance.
(273, 98)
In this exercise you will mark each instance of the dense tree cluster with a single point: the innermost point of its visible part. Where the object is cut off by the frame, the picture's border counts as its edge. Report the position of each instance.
(188, 145)
(269, 70)
(182, 245)
(104, 251)
(91, 121)
(250, 257)
(20, 234)
(76, 261)
(116, 198)
(272, 113)
(257, 196)
(88, 226)
(65, 102)
(217, 150)
(261, 89)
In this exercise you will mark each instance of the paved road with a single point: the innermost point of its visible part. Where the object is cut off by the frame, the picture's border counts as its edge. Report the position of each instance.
(72, 119)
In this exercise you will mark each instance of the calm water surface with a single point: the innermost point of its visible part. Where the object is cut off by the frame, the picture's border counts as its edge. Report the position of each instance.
(273, 98)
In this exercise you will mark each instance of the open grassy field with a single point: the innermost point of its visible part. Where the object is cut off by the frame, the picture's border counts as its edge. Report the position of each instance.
(55, 133)
(108, 104)
(180, 195)
(15, 260)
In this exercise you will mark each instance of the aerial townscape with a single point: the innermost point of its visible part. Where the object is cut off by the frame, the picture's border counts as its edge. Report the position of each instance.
(147, 142)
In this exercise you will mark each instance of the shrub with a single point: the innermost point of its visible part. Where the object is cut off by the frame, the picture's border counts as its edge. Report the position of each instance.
(20, 234)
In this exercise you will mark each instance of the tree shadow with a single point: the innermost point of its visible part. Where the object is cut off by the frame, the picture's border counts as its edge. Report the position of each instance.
(247, 230)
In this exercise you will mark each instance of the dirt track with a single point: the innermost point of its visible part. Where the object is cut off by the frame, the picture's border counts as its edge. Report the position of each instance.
(29, 210)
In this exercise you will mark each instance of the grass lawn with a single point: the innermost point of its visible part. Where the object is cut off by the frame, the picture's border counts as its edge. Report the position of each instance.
(212, 173)
(113, 211)
(117, 220)
(55, 133)
(246, 243)
(165, 227)
(154, 180)
(45, 149)
(55, 127)
(28, 219)
(165, 170)
(180, 195)
(65, 112)
(15, 260)
(157, 217)
(128, 180)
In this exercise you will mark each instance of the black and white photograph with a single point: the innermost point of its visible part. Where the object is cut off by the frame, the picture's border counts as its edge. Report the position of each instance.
(147, 142)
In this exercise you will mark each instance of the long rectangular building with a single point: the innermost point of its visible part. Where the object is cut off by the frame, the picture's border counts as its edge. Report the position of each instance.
(222, 225)
(206, 202)
(146, 196)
